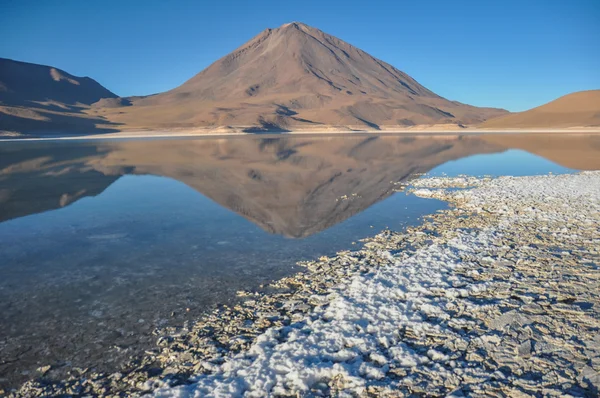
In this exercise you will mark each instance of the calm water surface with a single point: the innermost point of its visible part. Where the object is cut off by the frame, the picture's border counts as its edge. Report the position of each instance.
(102, 242)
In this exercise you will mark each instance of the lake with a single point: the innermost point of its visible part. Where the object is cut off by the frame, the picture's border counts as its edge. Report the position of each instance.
(104, 241)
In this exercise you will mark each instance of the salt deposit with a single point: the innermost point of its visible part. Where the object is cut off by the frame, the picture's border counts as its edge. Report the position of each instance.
(499, 295)
(358, 336)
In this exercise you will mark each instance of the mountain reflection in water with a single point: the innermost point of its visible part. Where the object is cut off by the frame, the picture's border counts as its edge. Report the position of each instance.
(293, 186)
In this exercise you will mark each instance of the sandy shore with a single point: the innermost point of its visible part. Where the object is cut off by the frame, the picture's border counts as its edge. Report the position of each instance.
(499, 295)
(232, 132)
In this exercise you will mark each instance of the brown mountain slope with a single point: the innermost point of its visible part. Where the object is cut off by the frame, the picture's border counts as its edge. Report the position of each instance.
(37, 98)
(23, 83)
(580, 109)
(297, 75)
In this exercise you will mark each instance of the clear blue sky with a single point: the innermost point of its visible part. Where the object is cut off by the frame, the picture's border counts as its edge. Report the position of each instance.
(514, 54)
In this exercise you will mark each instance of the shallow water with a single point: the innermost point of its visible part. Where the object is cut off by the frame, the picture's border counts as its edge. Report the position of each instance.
(101, 242)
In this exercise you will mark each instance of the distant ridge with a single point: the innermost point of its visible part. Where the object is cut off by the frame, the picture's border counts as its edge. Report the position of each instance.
(579, 109)
(39, 98)
(23, 83)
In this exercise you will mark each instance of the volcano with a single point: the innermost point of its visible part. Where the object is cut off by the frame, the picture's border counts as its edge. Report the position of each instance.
(297, 76)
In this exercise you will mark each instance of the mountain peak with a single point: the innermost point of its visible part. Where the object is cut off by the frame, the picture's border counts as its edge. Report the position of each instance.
(293, 28)
(294, 24)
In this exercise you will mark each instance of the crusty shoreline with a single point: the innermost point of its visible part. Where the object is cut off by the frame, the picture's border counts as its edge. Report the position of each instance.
(234, 132)
(497, 294)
